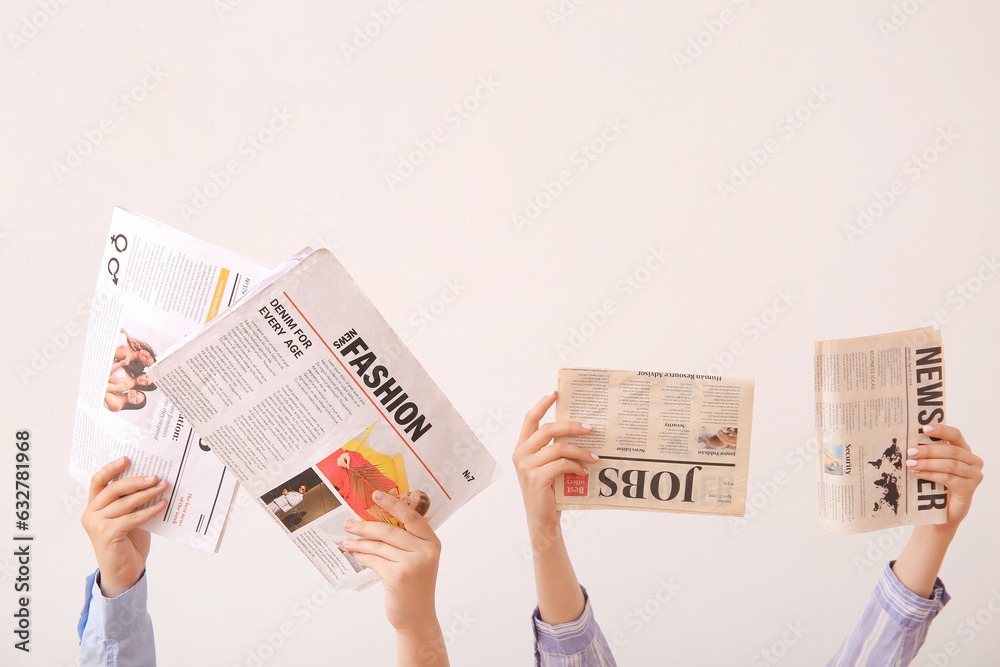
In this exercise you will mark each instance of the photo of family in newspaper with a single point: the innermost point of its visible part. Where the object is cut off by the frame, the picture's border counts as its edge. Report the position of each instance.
(128, 382)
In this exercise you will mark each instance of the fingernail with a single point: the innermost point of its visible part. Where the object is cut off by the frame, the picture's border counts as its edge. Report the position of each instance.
(911, 463)
(150, 479)
(586, 426)
(595, 456)
(550, 394)
(378, 495)
(912, 451)
(929, 428)
(122, 460)
(349, 524)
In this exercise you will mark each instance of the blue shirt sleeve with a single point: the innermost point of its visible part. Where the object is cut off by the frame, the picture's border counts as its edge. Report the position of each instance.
(892, 626)
(116, 632)
(579, 643)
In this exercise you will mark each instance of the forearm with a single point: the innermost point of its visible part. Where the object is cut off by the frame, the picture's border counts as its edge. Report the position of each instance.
(918, 566)
(560, 599)
(423, 647)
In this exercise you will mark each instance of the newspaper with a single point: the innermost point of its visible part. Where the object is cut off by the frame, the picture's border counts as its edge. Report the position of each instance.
(874, 395)
(155, 285)
(672, 442)
(313, 402)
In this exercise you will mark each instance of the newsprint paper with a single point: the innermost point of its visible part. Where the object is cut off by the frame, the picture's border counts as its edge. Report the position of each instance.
(672, 442)
(874, 395)
(155, 286)
(314, 403)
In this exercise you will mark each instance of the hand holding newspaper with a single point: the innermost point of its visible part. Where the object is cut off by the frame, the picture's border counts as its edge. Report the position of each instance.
(155, 286)
(667, 441)
(874, 396)
(314, 404)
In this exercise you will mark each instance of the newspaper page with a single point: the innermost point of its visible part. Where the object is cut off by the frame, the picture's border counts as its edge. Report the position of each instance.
(671, 442)
(313, 402)
(874, 395)
(155, 286)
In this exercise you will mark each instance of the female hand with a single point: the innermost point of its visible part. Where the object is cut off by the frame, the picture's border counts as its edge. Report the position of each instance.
(538, 465)
(112, 521)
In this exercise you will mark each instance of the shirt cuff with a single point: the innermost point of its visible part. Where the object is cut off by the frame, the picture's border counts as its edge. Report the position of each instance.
(905, 606)
(566, 638)
(115, 619)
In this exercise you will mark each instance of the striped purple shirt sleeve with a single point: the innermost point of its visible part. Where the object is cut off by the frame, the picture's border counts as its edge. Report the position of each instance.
(892, 626)
(579, 643)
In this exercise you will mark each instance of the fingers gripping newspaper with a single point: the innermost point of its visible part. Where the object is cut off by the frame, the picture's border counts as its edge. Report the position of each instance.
(155, 286)
(314, 403)
(667, 441)
(874, 395)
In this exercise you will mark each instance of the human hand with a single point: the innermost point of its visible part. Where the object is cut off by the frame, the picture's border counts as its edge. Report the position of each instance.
(727, 437)
(344, 460)
(949, 462)
(406, 560)
(112, 522)
(538, 465)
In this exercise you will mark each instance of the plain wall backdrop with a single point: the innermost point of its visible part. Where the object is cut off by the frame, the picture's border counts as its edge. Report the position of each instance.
(525, 162)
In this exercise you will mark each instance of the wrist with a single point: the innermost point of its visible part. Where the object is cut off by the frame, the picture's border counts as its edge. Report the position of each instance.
(545, 535)
(112, 586)
(942, 533)
(424, 627)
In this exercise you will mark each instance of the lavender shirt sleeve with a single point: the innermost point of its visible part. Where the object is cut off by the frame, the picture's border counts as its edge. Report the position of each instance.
(579, 643)
(892, 626)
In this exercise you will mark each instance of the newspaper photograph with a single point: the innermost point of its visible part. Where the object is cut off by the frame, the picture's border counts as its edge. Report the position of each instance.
(313, 402)
(155, 286)
(672, 442)
(874, 395)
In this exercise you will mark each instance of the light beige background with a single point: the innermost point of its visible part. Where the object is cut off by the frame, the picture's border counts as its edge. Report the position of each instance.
(488, 305)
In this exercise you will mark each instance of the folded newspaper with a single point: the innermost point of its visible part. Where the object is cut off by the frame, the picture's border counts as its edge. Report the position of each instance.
(314, 403)
(874, 395)
(671, 442)
(155, 285)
